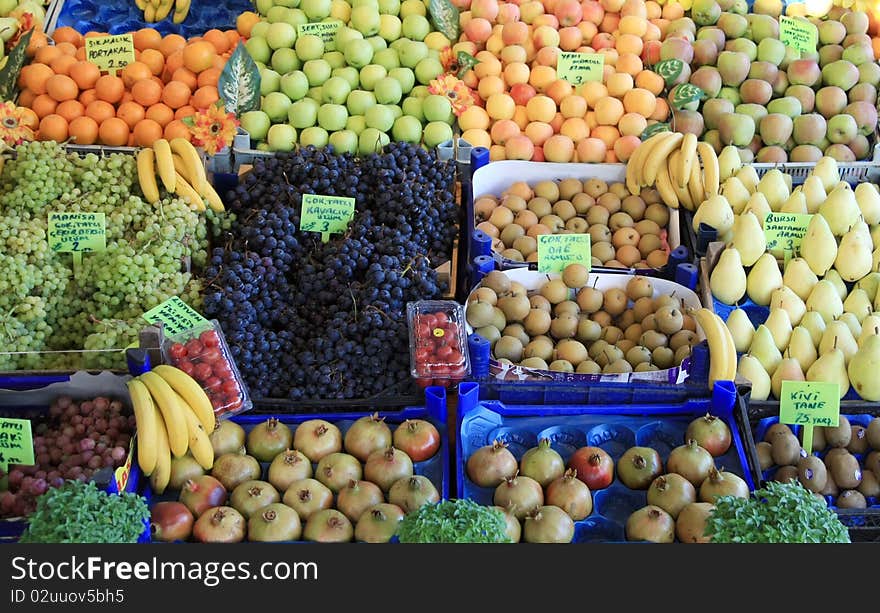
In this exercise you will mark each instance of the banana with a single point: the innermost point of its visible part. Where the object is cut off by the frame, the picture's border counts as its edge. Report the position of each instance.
(164, 9)
(181, 10)
(722, 354)
(185, 190)
(644, 151)
(147, 425)
(711, 173)
(684, 196)
(659, 155)
(199, 443)
(162, 474)
(632, 169)
(195, 167)
(172, 411)
(150, 14)
(141, 4)
(213, 199)
(147, 175)
(165, 164)
(695, 185)
(729, 163)
(2, 161)
(664, 186)
(688, 155)
(191, 392)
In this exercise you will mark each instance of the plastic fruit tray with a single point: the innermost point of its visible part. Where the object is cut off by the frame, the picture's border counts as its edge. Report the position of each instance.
(614, 428)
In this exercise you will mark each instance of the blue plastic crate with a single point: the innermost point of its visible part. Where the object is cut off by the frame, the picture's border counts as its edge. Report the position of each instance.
(614, 428)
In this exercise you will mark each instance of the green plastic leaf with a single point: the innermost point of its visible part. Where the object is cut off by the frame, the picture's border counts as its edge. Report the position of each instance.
(654, 129)
(444, 16)
(9, 74)
(685, 94)
(465, 62)
(239, 83)
(669, 70)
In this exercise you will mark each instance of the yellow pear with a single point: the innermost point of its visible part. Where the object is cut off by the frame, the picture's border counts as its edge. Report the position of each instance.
(728, 278)
(852, 322)
(764, 348)
(715, 212)
(788, 370)
(758, 205)
(877, 301)
(784, 298)
(814, 194)
(750, 368)
(825, 300)
(869, 283)
(826, 170)
(774, 188)
(736, 194)
(799, 278)
(870, 327)
(854, 259)
(814, 323)
(796, 203)
(840, 209)
(729, 162)
(833, 277)
(763, 278)
(863, 369)
(838, 336)
(748, 176)
(868, 199)
(748, 238)
(875, 234)
(801, 347)
(741, 329)
(831, 368)
(858, 303)
(875, 259)
(780, 328)
(819, 247)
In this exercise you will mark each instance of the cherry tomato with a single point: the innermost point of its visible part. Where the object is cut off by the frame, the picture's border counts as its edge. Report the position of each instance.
(210, 338)
(186, 366)
(444, 353)
(194, 347)
(177, 351)
(212, 382)
(441, 319)
(202, 371)
(428, 320)
(212, 355)
(423, 355)
(229, 387)
(418, 438)
(222, 369)
(455, 358)
(422, 382)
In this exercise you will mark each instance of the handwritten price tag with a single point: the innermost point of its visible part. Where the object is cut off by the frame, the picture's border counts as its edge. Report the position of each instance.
(176, 316)
(325, 30)
(577, 68)
(16, 443)
(556, 251)
(326, 214)
(798, 33)
(785, 231)
(110, 53)
(77, 232)
(808, 404)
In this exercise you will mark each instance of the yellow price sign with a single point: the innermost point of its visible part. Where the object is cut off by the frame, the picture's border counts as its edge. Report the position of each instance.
(110, 53)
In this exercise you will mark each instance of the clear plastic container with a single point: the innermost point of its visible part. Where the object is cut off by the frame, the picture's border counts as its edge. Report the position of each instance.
(437, 342)
(203, 354)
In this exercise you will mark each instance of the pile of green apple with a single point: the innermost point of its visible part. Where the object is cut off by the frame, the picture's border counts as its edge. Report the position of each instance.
(366, 86)
(776, 103)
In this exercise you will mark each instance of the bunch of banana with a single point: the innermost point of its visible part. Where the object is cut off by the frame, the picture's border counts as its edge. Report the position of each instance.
(157, 10)
(174, 415)
(181, 171)
(722, 351)
(684, 171)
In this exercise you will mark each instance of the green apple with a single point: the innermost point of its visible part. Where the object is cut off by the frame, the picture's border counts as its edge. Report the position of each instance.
(370, 74)
(303, 113)
(335, 91)
(314, 136)
(316, 93)
(356, 124)
(317, 72)
(276, 14)
(263, 6)
(281, 137)
(316, 10)
(416, 27)
(260, 28)
(287, 3)
(259, 49)
(358, 53)
(427, 70)
(437, 132)
(405, 77)
(365, 19)
(395, 110)
(332, 117)
(390, 27)
(372, 3)
(259, 65)
(296, 17)
(436, 108)
(276, 106)
(263, 147)
(344, 141)
(412, 7)
(270, 81)
(359, 101)
(407, 129)
(378, 43)
(341, 10)
(386, 7)
(413, 107)
(388, 91)
(309, 47)
(372, 140)
(285, 60)
(398, 44)
(349, 73)
(380, 117)
(281, 35)
(344, 35)
(387, 58)
(256, 123)
(420, 91)
(412, 52)
(295, 85)
(336, 59)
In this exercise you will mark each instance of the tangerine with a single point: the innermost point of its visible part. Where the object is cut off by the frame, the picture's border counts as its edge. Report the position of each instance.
(83, 130)
(66, 34)
(184, 111)
(87, 96)
(66, 48)
(154, 59)
(185, 75)
(176, 94)
(147, 38)
(218, 39)
(134, 72)
(114, 132)
(146, 132)
(171, 43)
(53, 127)
(85, 74)
(199, 56)
(26, 98)
(109, 88)
(61, 87)
(146, 93)
(44, 105)
(36, 76)
(160, 113)
(45, 55)
(211, 76)
(100, 111)
(130, 113)
(177, 129)
(70, 109)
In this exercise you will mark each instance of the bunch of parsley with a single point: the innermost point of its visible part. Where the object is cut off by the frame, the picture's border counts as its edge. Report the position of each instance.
(453, 521)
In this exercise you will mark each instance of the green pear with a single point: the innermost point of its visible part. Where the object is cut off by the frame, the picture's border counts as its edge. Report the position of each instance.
(741, 329)
(838, 336)
(854, 257)
(748, 176)
(875, 234)
(852, 323)
(814, 193)
(858, 303)
(840, 210)
(825, 300)
(750, 368)
(814, 323)
(780, 328)
(748, 238)
(763, 278)
(764, 348)
(728, 279)
(758, 205)
(863, 368)
(877, 302)
(868, 199)
(801, 347)
(796, 203)
(774, 188)
(870, 283)
(819, 247)
(826, 170)
(788, 370)
(799, 278)
(715, 212)
(736, 194)
(875, 259)
(834, 278)
(870, 327)
(830, 368)
(784, 298)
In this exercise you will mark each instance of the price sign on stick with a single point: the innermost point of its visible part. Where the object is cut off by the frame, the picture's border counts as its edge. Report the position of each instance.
(798, 33)
(556, 251)
(325, 30)
(176, 316)
(325, 214)
(110, 53)
(808, 404)
(77, 233)
(578, 68)
(16, 443)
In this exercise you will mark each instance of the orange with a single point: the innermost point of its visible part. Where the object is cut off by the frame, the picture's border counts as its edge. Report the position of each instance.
(146, 132)
(199, 56)
(184, 75)
(53, 127)
(36, 76)
(114, 132)
(134, 72)
(147, 38)
(61, 87)
(30, 119)
(26, 98)
(184, 111)
(130, 113)
(154, 59)
(161, 114)
(70, 109)
(109, 88)
(46, 54)
(211, 76)
(205, 97)
(93, 34)
(85, 74)
(67, 48)
(63, 64)
(38, 41)
(173, 62)
(176, 94)
(218, 39)
(84, 131)
(100, 111)
(219, 62)
(44, 105)
(146, 93)
(246, 21)
(177, 129)
(126, 97)
(87, 96)
(233, 38)
(80, 54)
(171, 43)
(66, 34)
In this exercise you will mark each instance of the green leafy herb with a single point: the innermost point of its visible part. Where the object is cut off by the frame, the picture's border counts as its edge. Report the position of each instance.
(239, 82)
(453, 521)
(79, 512)
(9, 73)
(779, 513)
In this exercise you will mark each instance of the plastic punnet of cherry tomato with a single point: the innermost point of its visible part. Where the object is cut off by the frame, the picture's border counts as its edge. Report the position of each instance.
(438, 346)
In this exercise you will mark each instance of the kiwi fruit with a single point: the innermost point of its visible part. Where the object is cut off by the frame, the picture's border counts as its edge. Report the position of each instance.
(776, 429)
(839, 436)
(537, 322)
(490, 333)
(561, 366)
(539, 302)
(588, 330)
(812, 473)
(830, 488)
(517, 331)
(819, 443)
(669, 320)
(870, 485)
(589, 299)
(872, 462)
(786, 449)
(851, 499)
(564, 326)
(845, 470)
(566, 307)
(765, 458)
(589, 367)
(479, 314)
(786, 474)
(831, 453)
(536, 363)
(873, 433)
(858, 442)
(509, 347)
(615, 301)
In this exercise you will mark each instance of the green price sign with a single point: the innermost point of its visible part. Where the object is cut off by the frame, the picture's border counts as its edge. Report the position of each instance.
(326, 214)
(77, 233)
(16, 443)
(785, 231)
(110, 53)
(654, 128)
(798, 33)
(685, 94)
(808, 404)
(176, 316)
(556, 251)
(325, 30)
(670, 70)
(577, 68)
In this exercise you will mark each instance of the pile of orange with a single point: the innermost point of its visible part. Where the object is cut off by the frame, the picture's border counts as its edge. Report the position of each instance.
(171, 78)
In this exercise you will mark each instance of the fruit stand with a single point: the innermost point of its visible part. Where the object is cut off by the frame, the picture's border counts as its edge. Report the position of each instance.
(555, 271)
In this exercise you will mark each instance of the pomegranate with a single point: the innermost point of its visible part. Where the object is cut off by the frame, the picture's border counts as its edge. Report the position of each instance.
(671, 493)
(274, 523)
(418, 438)
(231, 469)
(251, 496)
(690, 527)
(571, 495)
(202, 493)
(490, 465)
(410, 493)
(385, 466)
(307, 496)
(520, 494)
(548, 524)
(357, 497)
(513, 528)
(691, 462)
(722, 483)
(328, 526)
(638, 466)
(183, 469)
(336, 469)
(317, 438)
(268, 439)
(594, 467)
(378, 524)
(542, 463)
(220, 525)
(288, 466)
(366, 435)
(170, 521)
(650, 523)
(227, 437)
(711, 433)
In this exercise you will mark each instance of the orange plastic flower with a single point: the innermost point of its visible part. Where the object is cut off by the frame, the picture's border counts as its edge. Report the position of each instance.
(25, 23)
(212, 128)
(13, 124)
(449, 60)
(460, 95)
